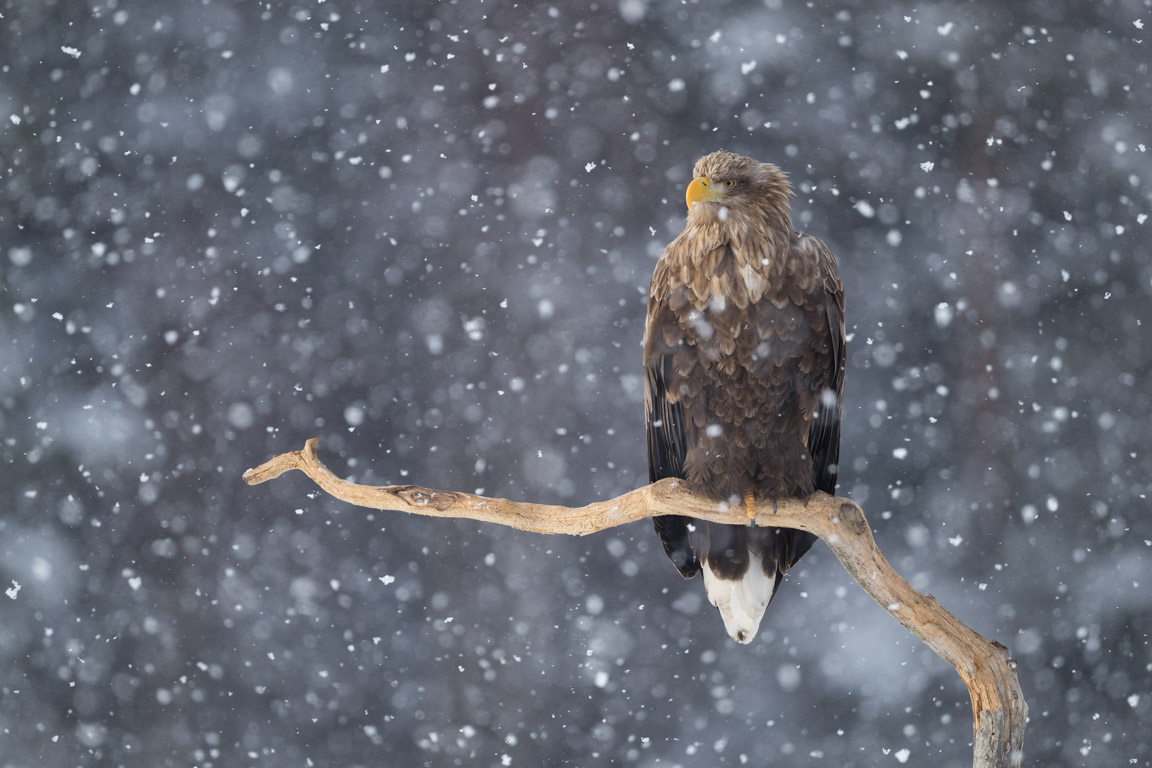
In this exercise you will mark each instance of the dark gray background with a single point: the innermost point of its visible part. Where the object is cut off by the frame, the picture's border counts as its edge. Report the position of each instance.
(424, 234)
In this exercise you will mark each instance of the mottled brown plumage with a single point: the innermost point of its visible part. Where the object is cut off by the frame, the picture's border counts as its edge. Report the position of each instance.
(744, 364)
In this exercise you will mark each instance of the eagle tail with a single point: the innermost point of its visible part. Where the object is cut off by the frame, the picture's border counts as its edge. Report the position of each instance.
(742, 600)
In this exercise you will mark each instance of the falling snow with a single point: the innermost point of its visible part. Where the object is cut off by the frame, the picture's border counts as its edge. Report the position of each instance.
(423, 233)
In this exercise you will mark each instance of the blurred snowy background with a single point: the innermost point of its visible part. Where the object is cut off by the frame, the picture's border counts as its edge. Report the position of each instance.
(424, 233)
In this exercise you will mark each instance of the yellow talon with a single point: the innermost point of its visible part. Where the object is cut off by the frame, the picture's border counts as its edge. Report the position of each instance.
(750, 504)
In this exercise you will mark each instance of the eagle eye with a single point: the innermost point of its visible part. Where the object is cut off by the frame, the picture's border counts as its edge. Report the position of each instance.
(729, 183)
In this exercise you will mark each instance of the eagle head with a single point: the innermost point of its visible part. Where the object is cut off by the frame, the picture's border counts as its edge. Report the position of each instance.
(733, 185)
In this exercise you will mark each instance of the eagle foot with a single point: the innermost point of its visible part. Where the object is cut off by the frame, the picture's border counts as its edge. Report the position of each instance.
(750, 504)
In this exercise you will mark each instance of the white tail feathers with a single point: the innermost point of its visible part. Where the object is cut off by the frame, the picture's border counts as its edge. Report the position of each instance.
(741, 602)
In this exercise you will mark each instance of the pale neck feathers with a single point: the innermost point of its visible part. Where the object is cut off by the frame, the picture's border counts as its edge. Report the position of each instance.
(740, 255)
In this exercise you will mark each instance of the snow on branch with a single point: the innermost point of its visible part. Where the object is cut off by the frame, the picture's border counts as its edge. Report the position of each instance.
(998, 706)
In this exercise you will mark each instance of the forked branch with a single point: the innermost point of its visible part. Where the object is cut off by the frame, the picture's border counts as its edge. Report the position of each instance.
(998, 707)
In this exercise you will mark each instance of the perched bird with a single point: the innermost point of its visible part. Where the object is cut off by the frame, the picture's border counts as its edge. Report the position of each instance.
(744, 372)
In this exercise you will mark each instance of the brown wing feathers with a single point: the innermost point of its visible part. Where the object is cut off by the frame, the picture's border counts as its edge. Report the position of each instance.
(666, 449)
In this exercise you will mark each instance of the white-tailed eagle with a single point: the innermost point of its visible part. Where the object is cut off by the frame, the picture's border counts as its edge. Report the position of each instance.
(744, 368)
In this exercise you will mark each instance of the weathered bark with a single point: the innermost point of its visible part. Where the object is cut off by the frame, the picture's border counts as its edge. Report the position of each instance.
(998, 707)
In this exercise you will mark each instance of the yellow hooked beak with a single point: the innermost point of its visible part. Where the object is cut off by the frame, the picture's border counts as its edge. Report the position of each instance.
(701, 190)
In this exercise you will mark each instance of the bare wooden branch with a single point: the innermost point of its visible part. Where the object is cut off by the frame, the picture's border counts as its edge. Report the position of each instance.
(998, 707)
